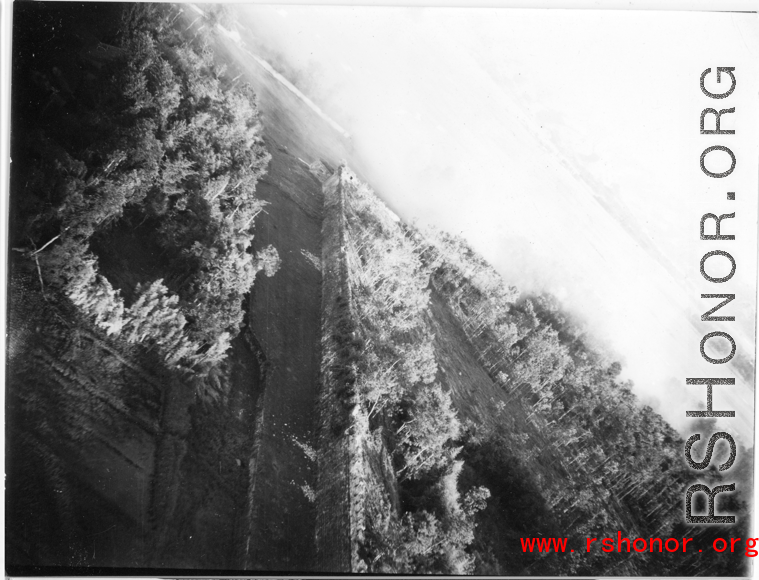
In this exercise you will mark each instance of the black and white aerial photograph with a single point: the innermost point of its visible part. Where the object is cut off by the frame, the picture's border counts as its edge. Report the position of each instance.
(299, 290)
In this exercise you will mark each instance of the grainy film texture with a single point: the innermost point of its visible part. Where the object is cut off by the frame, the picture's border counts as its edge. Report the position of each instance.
(380, 290)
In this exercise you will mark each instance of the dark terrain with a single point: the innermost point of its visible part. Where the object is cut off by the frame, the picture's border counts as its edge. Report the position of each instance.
(118, 464)
(165, 480)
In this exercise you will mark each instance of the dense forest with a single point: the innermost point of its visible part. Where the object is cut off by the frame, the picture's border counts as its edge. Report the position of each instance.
(138, 164)
(151, 141)
(565, 449)
(136, 161)
(390, 354)
(608, 463)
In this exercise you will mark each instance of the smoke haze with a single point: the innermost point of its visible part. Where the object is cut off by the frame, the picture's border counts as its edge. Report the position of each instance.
(564, 147)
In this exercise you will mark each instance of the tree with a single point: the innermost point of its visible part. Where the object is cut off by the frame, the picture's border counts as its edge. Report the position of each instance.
(95, 296)
(268, 260)
(423, 542)
(424, 440)
(541, 359)
(158, 140)
(417, 360)
(155, 318)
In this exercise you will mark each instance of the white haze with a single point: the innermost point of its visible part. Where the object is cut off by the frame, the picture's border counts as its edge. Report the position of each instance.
(564, 146)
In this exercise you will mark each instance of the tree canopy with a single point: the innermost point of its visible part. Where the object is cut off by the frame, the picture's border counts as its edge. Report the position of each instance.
(154, 140)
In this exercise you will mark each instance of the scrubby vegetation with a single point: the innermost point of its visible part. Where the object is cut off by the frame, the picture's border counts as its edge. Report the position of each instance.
(148, 164)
